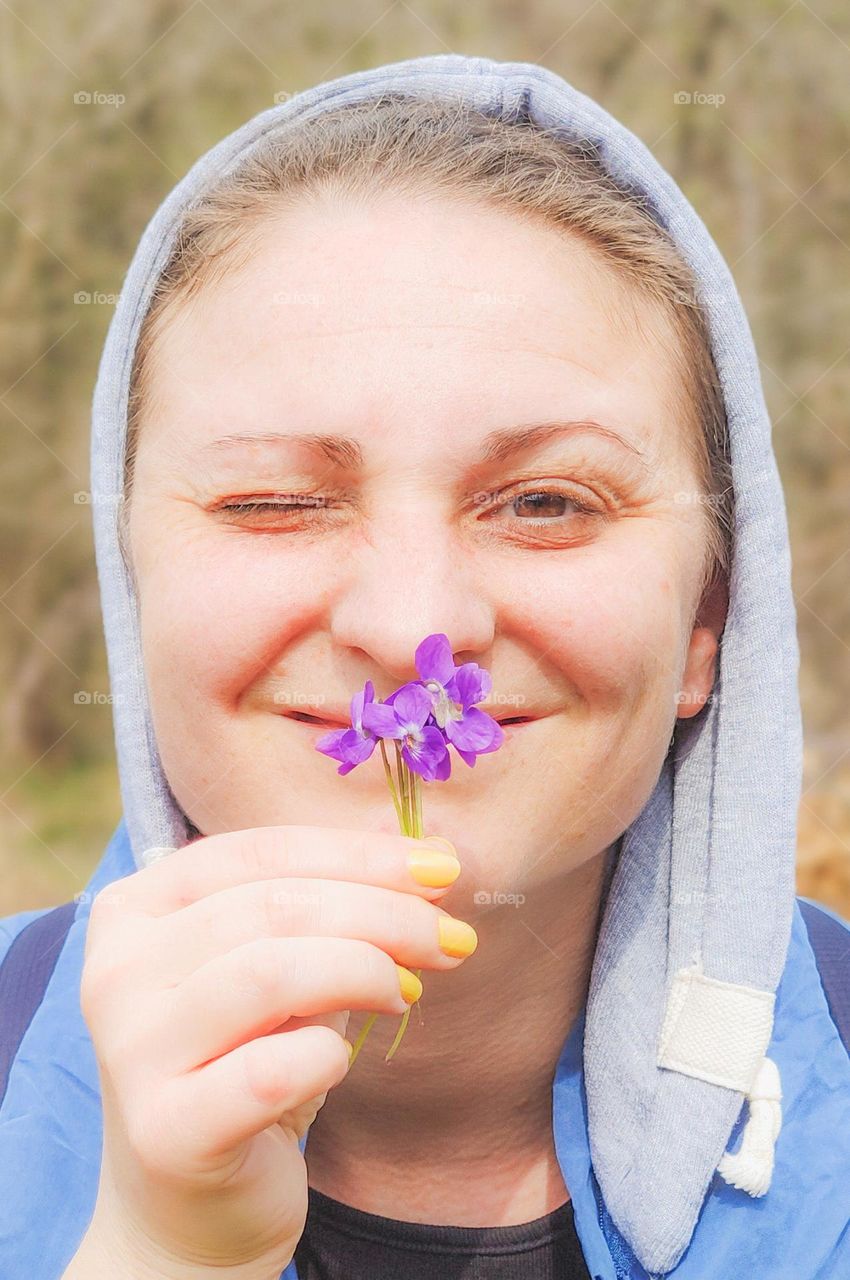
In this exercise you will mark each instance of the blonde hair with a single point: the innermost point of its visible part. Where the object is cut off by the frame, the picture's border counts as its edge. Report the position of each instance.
(431, 147)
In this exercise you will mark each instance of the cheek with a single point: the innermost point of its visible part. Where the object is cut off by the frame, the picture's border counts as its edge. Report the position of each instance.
(219, 611)
(603, 623)
(606, 623)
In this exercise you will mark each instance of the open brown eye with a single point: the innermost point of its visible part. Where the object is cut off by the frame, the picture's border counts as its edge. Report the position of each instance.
(543, 504)
(548, 503)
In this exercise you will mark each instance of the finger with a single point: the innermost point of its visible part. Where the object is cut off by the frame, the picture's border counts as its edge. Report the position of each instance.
(261, 853)
(204, 1114)
(337, 1020)
(254, 989)
(403, 925)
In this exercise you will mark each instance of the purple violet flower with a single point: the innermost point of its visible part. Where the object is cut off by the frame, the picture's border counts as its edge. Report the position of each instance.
(351, 746)
(455, 690)
(406, 717)
(425, 715)
(422, 718)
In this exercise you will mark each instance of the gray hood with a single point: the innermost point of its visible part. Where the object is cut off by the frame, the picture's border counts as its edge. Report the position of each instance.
(697, 921)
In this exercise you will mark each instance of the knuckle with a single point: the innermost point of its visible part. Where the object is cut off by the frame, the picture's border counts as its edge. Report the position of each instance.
(108, 907)
(409, 917)
(130, 1041)
(146, 1138)
(374, 969)
(314, 904)
(262, 968)
(287, 901)
(265, 853)
(97, 984)
(107, 974)
(91, 990)
(252, 851)
(264, 1074)
(100, 916)
(126, 1050)
(270, 911)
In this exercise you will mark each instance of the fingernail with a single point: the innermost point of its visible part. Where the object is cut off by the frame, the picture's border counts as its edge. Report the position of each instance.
(457, 938)
(433, 868)
(349, 1046)
(411, 987)
(441, 840)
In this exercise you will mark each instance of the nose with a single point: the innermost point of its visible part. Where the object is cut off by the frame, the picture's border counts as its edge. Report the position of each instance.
(407, 582)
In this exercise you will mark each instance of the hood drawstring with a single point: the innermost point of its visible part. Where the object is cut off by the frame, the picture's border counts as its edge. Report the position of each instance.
(750, 1168)
(719, 1031)
(156, 853)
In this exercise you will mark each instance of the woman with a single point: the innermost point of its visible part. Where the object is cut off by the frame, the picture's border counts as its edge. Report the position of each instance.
(456, 359)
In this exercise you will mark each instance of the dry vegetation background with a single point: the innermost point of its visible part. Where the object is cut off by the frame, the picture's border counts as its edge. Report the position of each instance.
(768, 169)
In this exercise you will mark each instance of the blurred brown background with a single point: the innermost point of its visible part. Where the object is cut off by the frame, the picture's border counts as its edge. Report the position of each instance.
(108, 104)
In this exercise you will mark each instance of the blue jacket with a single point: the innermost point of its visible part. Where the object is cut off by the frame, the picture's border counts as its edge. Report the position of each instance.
(51, 1134)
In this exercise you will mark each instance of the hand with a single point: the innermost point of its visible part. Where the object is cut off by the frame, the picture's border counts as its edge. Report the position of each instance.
(217, 986)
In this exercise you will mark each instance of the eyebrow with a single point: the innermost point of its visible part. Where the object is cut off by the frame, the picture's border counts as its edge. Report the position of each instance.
(345, 451)
(342, 451)
(502, 444)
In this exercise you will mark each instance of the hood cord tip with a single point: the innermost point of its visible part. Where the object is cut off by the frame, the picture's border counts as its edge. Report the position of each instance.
(750, 1168)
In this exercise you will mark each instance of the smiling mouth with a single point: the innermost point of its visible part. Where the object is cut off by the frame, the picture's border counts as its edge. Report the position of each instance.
(327, 723)
(306, 718)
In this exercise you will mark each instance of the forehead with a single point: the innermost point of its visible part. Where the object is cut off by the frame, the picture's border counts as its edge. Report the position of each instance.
(423, 311)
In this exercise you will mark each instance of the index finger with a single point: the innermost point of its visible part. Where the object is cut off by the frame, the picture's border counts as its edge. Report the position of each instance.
(218, 862)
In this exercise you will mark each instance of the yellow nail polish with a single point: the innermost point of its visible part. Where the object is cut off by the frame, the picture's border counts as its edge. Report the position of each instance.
(411, 987)
(349, 1046)
(457, 938)
(433, 868)
(441, 840)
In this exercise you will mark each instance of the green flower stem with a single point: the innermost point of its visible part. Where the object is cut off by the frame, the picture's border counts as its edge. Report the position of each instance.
(405, 789)
(400, 1032)
(391, 786)
(418, 823)
(407, 798)
(413, 827)
(358, 1043)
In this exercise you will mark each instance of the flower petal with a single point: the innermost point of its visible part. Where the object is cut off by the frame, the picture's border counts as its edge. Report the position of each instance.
(443, 769)
(475, 731)
(356, 709)
(426, 757)
(412, 704)
(381, 720)
(348, 746)
(433, 658)
(329, 743)
(366, 694)
(471, 684)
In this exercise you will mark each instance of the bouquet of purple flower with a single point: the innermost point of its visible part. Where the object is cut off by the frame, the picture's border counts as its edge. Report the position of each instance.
(422, 719)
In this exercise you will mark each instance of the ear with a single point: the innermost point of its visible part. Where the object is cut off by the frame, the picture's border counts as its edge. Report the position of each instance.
(700, 665)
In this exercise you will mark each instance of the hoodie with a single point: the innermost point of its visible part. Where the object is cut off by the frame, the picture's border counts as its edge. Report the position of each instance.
(706, 1034)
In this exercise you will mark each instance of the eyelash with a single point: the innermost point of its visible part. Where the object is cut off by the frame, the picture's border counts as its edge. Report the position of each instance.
(242, 508)
(500, 500)
(504, 499)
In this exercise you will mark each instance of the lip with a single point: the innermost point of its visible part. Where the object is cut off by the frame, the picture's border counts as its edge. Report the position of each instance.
(509, 725)
(311, 721)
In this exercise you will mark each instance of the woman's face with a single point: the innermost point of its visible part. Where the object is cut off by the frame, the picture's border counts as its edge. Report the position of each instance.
(337, 461)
